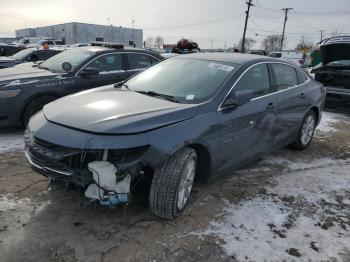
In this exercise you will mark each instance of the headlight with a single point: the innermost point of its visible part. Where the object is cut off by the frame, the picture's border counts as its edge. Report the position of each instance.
(9, 93)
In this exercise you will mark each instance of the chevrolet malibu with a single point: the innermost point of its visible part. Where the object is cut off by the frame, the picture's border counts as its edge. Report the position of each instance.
(190, 117)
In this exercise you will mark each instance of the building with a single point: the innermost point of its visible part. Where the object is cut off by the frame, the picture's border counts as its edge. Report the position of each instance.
(75, 32)
(8, 40)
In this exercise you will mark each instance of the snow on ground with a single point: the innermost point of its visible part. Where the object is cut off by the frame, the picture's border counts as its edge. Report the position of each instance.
(13, 209)
(305, 211)
(328, 121)
(11, 142)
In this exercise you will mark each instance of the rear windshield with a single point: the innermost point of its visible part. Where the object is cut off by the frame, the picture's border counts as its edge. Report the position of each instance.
(23, 54)
(188, 80)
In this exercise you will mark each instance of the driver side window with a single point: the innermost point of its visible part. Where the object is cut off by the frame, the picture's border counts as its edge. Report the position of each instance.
(107, 63)
(256, 79)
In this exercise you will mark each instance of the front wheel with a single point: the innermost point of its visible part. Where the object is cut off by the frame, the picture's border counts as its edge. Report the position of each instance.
(172, 184)
(306, 132)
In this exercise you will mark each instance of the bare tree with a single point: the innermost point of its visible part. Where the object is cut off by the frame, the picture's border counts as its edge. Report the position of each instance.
(273, 42)
(149, 43)
(159, 41)
(304, 44)
(248, 43)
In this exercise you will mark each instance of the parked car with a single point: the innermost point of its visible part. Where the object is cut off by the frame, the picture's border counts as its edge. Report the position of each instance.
(9, 50)
(292, 56)
(39, 41)
(26, 88)
(189, 117)
(334, 71)
(185, 46)
(78, 45)
(258, 52)
(27, 55)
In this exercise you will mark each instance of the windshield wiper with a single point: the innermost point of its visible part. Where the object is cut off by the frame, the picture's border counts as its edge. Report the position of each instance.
(121, 84)
(43, 67)
(155, 94)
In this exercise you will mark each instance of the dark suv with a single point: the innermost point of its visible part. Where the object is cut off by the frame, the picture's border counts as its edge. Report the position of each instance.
(26, 88)
(27, 55)
(334, 71)
(189, 116)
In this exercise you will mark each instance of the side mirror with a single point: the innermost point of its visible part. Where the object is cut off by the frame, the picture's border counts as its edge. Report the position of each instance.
(89, 71)
(238, 98)
(242, 97)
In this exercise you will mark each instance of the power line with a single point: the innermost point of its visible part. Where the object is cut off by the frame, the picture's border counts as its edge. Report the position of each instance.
(335, 12)
(20, 18)
(249, 3)
(194, 24)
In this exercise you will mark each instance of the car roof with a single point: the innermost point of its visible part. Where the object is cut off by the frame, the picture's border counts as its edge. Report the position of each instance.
(234, 58)
(336, 40)
(99, 49)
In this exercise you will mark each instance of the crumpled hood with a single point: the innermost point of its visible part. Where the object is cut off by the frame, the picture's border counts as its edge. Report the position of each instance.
(112, 111)
(335, 52)
(23, 71)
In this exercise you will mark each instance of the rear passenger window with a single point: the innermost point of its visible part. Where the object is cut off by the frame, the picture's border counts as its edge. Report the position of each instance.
(256, 79)
(302, 78)
(285, 76)
(139, 61)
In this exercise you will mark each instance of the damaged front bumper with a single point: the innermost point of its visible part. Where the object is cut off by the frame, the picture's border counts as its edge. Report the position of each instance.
(75, 155)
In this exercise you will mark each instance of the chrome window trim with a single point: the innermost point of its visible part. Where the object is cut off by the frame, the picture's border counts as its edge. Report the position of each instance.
(114, 53)
(256, 98)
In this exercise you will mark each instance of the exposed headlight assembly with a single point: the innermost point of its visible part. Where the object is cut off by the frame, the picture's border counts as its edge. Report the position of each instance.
(9, 93)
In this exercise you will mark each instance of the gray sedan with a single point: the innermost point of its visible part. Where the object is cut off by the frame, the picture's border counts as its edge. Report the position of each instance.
(189, 117)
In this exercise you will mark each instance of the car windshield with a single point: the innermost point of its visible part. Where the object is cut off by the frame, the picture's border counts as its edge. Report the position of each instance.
(187, 80)
(339, 63)
(74, 57)
(22, 54)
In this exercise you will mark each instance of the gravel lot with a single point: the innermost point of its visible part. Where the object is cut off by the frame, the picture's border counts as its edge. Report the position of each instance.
(288, 206)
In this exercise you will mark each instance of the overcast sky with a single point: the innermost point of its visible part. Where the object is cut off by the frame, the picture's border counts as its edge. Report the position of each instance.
(216, 22)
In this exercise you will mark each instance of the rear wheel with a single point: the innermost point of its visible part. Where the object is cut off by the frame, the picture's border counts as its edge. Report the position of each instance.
(306, 132)
(35, 106)
(172, 184)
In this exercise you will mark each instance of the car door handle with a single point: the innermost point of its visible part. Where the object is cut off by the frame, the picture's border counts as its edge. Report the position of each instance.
(271, 106)
(302, 95)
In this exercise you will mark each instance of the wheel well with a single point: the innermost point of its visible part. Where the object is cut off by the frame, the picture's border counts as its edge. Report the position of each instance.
(316, 111)
(204, 162)
(32, 99)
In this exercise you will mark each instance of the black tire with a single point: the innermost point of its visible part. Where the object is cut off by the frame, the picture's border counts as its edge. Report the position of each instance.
(298, 143)
(164, 192)
(34, 107)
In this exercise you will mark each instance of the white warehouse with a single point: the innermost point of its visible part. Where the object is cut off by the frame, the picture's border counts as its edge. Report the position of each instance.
(75, 32)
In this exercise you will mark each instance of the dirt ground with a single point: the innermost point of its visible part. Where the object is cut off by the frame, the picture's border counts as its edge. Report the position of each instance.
(290, 206)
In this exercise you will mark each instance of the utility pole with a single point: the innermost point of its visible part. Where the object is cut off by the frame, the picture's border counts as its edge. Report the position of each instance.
(211, 43)
(249, 3)
(321, 31)
(285, 21)
(108, 19)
